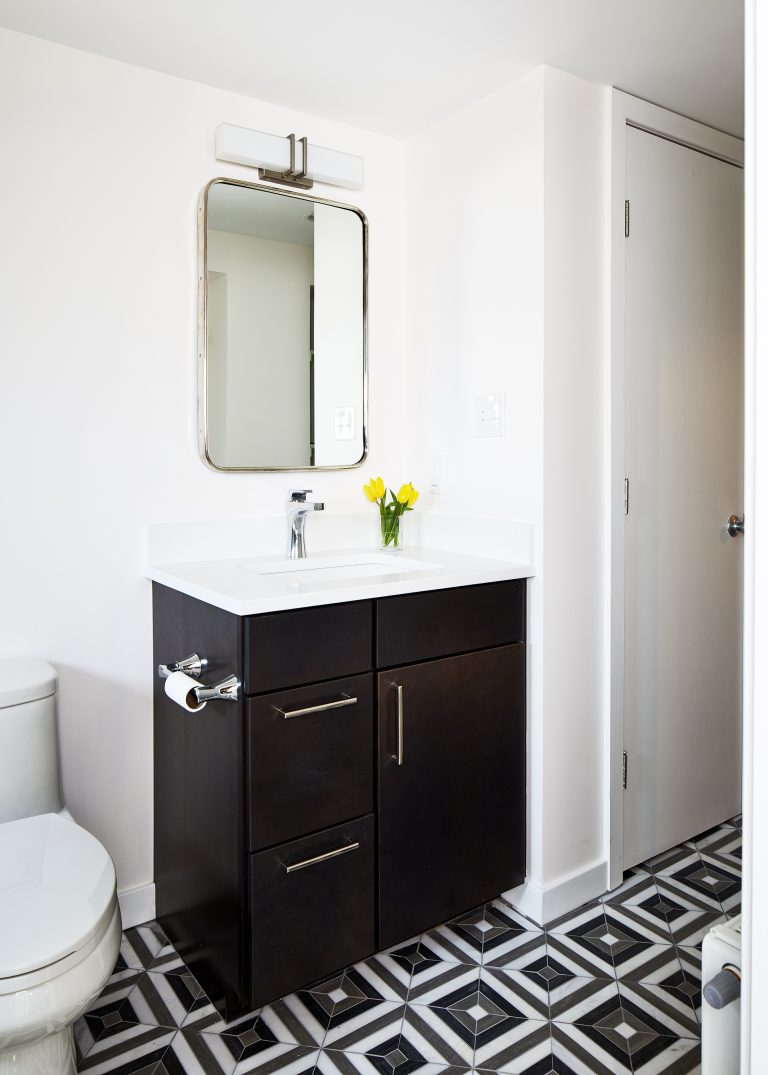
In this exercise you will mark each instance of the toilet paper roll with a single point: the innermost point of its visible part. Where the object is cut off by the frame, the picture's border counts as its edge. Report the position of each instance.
(180, 688)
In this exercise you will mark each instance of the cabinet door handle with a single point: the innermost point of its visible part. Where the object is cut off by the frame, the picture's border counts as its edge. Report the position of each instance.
(302, 711)
(398, 757)
(321, 858)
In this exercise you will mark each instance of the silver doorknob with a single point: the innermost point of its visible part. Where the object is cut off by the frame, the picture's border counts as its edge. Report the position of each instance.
(736, 525)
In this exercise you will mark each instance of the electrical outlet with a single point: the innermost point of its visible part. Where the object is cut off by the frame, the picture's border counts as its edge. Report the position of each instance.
(434, 474)
(489, 414)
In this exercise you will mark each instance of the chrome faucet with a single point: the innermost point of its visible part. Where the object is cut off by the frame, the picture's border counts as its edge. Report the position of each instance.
(298, 510)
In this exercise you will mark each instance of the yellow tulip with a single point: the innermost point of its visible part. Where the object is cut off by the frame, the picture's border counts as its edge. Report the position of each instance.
(404, 492)
(374, 490)
(413, 497)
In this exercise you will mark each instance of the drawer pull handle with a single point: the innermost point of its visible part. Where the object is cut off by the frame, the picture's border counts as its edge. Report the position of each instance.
(400, 725)
(322, 858)
(345, 699)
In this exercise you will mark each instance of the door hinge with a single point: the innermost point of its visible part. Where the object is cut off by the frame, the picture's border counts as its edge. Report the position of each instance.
(626, 219)
(624, 770)
(626, 496)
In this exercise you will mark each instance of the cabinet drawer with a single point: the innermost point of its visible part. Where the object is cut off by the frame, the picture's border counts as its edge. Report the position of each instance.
(288, 649)
(315, 919)
(420, 627)
(310, 759)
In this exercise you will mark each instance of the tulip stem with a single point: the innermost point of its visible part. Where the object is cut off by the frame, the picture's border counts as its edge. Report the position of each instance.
(390, 522)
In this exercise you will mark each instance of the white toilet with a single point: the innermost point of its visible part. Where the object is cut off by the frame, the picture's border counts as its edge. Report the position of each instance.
(59, 918)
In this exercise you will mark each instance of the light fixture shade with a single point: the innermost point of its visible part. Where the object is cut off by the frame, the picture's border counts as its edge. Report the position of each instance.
(271, 151)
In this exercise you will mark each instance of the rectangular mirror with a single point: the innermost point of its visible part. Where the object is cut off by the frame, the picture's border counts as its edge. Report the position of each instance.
(281, 330)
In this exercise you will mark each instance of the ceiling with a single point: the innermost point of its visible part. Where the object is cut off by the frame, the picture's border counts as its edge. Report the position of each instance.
(397, 66)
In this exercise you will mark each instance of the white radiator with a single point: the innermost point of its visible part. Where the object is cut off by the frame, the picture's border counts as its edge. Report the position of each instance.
(721, 1003)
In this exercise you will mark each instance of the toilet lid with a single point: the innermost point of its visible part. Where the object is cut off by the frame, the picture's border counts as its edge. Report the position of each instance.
(57, 891)
(25, 679)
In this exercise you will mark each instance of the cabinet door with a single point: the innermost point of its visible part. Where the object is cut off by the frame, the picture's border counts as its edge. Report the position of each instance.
(451, 787)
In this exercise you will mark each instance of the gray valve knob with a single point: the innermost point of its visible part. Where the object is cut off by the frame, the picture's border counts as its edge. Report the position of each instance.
(723, 988)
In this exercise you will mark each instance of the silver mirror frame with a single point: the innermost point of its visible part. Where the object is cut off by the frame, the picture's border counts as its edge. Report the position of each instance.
(202, 325)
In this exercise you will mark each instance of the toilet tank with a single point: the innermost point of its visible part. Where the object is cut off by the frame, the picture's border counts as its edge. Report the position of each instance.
(29, 743)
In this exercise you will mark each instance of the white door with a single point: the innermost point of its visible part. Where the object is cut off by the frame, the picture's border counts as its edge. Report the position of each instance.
(684, 447)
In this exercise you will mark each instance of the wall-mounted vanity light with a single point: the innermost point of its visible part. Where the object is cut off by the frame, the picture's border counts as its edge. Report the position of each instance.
(279, 160)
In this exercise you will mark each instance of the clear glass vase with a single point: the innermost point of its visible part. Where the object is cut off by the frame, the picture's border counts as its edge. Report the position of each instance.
(392, 532)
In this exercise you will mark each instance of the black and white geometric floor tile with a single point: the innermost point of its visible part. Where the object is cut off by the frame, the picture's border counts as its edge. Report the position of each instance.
(612, 987)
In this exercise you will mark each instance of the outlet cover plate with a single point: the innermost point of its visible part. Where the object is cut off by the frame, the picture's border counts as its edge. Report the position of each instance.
(489, 414)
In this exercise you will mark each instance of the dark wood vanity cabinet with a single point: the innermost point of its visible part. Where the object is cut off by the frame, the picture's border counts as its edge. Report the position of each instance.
(368, 784)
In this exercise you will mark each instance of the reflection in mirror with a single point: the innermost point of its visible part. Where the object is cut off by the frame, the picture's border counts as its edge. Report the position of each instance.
(283, 325)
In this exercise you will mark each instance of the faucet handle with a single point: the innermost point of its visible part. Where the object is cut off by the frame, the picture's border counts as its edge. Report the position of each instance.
(299, 496)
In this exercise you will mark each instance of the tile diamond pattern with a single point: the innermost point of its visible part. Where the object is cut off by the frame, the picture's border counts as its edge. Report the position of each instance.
(612, 987)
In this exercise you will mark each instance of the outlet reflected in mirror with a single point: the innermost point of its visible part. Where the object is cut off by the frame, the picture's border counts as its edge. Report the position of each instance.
(282, 330)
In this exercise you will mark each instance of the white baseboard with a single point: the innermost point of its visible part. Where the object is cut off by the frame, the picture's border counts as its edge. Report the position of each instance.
(544, 903)
(137, 905)
(541, 903)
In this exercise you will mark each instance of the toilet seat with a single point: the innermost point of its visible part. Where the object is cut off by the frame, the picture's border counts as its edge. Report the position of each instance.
(57, 898)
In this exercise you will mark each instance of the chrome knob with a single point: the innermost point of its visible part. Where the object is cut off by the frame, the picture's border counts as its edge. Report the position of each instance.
(735, 525)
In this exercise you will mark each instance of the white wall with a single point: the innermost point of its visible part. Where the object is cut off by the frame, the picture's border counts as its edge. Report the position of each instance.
(266, 364)
(102, 166)
(575, 552)
(507, 287)
(475, 310)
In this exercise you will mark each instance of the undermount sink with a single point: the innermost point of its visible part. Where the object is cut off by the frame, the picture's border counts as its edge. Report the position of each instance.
(334, 568)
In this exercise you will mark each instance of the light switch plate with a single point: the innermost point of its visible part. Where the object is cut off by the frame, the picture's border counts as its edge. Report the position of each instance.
(489, 414)
(344, 423)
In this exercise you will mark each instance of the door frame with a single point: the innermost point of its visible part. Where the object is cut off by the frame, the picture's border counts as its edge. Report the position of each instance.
(627, 111)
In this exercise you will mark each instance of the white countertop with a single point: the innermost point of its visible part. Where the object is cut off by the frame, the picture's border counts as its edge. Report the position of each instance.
(251, 585)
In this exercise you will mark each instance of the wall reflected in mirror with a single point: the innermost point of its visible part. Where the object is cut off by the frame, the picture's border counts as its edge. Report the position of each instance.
(283, 324)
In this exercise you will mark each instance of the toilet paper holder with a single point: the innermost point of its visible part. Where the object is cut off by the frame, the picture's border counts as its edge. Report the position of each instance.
(226, 690)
